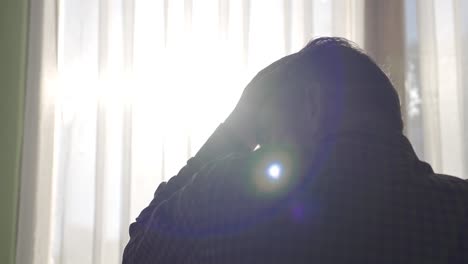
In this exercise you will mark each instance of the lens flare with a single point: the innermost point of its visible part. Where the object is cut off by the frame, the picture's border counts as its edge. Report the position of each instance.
(274, 171)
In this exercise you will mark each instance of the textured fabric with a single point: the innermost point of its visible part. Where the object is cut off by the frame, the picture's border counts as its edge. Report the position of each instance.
(348, 199)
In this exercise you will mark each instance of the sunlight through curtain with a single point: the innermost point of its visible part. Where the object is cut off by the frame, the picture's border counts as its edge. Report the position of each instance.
(142, 84)
(436, 86)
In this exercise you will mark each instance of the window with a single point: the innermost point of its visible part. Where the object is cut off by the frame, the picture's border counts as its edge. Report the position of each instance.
(127, 90)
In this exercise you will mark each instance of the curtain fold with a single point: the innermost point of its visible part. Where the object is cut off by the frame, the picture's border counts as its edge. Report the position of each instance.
(39, 191)
(442, 96)
(123, 92)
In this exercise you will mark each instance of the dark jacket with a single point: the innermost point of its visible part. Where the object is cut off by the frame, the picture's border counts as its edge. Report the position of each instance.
(350, 198)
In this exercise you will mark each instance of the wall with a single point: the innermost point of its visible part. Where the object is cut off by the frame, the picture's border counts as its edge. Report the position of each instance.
(13, 37)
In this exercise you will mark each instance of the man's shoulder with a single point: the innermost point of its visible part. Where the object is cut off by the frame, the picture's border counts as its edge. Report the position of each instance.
(441, 190)
(447, 182)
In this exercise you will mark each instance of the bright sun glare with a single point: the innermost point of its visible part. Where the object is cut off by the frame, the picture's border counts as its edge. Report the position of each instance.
(274, 171)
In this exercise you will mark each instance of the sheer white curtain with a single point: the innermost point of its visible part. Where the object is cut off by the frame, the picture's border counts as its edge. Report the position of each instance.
(123, 92)
(437, 83)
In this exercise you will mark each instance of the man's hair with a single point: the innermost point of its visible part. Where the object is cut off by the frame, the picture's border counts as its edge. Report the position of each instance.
(352, 82)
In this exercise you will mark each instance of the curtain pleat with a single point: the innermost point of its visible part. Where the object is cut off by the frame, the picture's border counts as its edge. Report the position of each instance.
(449, 99)
(440, 80)
(245, 28)
(460, 9)
(37, 212)
(127, 117)
(308, 20)
(76, 125)
(223, 21)
(287, 26)
(429, 80)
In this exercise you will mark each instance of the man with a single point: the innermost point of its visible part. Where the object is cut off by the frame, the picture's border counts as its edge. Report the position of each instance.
(334, 181)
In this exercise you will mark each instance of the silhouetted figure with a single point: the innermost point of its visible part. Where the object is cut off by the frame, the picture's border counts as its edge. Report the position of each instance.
(334, 181)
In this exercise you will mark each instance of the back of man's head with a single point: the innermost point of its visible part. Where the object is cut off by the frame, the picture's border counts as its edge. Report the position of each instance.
(349, 86)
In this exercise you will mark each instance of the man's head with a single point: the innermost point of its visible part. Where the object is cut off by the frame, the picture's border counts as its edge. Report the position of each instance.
(327, 87)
